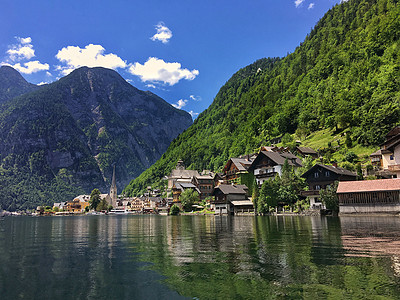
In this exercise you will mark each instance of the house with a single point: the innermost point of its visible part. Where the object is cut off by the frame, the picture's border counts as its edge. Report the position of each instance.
(78, 204)
(268, 164)
(180, 174)
(369, 196)
(387, 159)
(235, 168)
(179, 187)
(218, 179)
(204, 183)
(306, 151)
(137, 204)
(59, 206)
(227, 195)
(319, 177)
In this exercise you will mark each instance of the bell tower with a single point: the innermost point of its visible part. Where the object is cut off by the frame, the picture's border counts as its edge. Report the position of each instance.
(113, 191)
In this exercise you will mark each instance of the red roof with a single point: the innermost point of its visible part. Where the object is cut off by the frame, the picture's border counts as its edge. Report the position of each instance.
(369, 186)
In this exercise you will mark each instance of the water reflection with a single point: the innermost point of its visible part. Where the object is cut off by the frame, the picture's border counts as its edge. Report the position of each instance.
(208, 257)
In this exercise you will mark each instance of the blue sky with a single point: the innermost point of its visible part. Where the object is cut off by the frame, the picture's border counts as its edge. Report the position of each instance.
(183, 51)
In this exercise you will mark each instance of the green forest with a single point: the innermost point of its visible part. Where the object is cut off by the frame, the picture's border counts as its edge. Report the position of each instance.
(344, 78)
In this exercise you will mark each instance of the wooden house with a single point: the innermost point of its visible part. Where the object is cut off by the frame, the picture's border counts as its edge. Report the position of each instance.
(369, 196)
(179, 187)
(319, 177)
(306, 151)
(268, 164)
(225, 196)
(235, 168)
(205, 184)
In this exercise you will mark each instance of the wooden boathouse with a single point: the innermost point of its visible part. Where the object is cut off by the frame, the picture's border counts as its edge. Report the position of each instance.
(369, 196)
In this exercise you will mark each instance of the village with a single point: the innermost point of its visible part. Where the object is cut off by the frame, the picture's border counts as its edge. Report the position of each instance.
(231, 191)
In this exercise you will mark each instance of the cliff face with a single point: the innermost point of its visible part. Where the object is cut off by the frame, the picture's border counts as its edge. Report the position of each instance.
(67, 135)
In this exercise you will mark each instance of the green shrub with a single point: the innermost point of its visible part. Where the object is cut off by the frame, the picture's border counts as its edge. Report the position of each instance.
(175, 210)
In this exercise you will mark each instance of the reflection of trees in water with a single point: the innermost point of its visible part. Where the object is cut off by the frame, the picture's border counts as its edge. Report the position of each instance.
(205, 256)
(266, 257)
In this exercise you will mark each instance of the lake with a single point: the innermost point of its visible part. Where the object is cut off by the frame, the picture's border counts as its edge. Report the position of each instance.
(199, 257)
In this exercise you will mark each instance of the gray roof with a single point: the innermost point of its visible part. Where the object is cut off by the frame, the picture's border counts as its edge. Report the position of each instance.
(377, 153)
(232, 188)
(292, 159)
(186, 185)
(307, 150)
(183, 173)
(337, 170)
(241, 163)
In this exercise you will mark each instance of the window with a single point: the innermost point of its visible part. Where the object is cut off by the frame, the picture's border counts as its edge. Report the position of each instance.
(392, 157)
(317, 187)
(316, 175)
(327, 173)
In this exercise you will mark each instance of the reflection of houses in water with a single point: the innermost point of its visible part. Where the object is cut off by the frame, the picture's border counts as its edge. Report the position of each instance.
(372, 236)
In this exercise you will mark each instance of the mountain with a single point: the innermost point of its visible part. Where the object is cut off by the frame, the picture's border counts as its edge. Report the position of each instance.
(64, 138)
(344, 77)
(12, 84)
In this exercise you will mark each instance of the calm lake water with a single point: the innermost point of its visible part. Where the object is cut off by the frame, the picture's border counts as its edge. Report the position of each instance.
(200, 257)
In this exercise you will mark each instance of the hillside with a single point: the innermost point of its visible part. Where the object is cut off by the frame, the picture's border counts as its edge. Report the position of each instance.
(343, 77)
(64, 138)
(12, 84)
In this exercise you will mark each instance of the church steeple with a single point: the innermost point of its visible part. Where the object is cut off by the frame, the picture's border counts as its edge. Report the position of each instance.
(113, 190)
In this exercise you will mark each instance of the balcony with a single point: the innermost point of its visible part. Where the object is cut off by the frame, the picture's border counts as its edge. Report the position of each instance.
(394, 168)
(310, 193)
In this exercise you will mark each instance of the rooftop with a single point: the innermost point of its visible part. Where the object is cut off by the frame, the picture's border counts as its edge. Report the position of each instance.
(369, 186)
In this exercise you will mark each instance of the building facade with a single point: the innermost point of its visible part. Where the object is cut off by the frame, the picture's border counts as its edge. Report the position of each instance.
(319, 177)
(369, 196)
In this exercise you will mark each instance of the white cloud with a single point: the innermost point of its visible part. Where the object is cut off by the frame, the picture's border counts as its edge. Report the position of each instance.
(155, 69)
(298, 2)
(49, 74)
(193, 114)
(31, 67)
(311, 5)
(151, 86)
(43, 83)
(341, 1)
(181, 103)
(27, 40)
(163, 33)
(90, 56)
(22, 50)
(195, 98)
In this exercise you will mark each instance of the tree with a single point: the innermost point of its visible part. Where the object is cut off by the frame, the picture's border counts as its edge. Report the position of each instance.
(255, 194)
(103, 205)
(268, 196)
(360, 175)
(188, 197)
(94, 199)
(174, 210)
(329, 197)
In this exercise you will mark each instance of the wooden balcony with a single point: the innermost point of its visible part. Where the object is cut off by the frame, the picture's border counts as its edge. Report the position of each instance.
(310, 193)
(394, 168)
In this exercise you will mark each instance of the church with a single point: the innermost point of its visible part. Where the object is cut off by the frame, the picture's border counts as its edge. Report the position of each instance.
(113, 191)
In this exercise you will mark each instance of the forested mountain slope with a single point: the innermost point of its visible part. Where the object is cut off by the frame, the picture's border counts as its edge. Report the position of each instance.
(12, 84)
(345, 75)
(64, 138)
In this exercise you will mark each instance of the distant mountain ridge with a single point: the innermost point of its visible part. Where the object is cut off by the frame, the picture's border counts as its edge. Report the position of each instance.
(12, 84)
(343, 77)
(64, 138)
